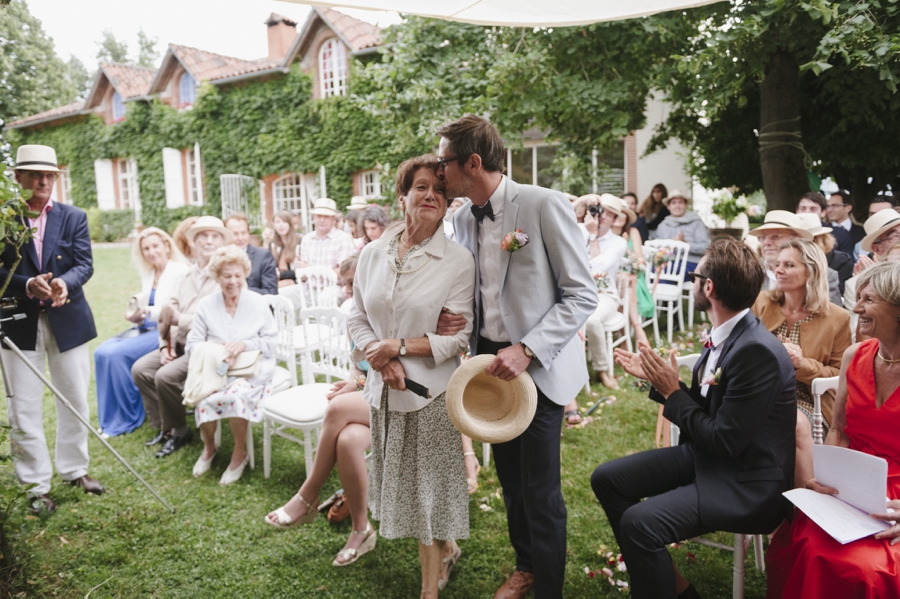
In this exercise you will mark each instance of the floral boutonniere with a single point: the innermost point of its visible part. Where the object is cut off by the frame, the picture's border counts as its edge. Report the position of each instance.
(706, 339)
(714, 379)
(514, 241)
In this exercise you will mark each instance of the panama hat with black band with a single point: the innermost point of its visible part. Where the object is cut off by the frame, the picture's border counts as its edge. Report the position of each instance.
(36, 158)
(780, 220)
(877, 225)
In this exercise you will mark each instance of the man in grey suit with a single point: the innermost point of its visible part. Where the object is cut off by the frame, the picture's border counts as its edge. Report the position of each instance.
(529, 306)
(263, 277)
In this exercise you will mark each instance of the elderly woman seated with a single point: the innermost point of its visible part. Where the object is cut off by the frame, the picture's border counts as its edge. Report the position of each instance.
(240, 320)
(803, 560)
(815, 332)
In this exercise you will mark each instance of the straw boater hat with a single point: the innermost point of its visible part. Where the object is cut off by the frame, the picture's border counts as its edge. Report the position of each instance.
(782, 219)
(812, 224)
(358, 203)
(209, 223)
(36, 158)
(325, 207)
(487, 408)
(676, 193)
(877, 225)
(618, 206)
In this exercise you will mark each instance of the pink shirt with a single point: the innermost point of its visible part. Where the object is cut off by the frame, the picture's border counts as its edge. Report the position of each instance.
(38, 225)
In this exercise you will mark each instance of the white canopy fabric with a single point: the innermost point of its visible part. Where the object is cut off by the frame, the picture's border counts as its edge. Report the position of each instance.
(519, 13)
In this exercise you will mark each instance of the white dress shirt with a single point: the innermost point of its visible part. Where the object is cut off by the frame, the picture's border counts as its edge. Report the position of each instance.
(490, 234)
(607, 262)
(718, 335)
(846, 223)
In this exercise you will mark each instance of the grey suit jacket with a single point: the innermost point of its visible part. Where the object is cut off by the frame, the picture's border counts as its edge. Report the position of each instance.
(547, 292)
(263, 277)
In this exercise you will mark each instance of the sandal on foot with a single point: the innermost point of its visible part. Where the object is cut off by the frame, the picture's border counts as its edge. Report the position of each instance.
(472, 483)
(350, 555)
(573, 414)
(283, 521)
(447, 567)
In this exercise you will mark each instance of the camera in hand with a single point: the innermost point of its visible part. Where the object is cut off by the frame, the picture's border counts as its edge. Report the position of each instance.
(595, 210)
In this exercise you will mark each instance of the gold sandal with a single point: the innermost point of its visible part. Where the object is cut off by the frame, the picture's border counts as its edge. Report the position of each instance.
(283, 521)
(350, 555)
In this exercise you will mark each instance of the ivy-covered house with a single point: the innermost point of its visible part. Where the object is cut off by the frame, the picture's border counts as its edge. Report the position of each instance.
(270, 134)
(158, 141)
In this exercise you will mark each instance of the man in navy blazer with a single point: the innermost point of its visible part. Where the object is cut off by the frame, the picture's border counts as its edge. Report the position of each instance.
(49, 286)
(530, 303)
(263, 277)
(737, 421)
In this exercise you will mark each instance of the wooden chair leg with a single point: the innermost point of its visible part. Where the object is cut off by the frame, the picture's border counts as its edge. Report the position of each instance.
(486, 454)
(737, 589)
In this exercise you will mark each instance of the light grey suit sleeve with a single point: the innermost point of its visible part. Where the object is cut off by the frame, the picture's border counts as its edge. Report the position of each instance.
(564, 244)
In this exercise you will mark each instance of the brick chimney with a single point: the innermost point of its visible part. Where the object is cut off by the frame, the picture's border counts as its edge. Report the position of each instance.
(281, 32)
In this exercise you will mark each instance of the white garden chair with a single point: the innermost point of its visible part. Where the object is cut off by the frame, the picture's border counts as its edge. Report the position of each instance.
(302, 408)
(319, 285)
(818, 388)
(667, 295)
(619, 322)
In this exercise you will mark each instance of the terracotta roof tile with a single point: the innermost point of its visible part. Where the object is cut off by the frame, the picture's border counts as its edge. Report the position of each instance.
(54, 113)
(130, 81)
(210, 66)
(359, 34)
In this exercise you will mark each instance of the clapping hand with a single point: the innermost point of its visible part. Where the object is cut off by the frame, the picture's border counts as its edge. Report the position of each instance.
(59, 292)
(893, 533)
(680, 236)
(662, 374)
(39, 286)
(795, 353)
(631, 362)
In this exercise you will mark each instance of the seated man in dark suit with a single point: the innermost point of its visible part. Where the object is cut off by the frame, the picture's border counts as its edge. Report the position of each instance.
(263, 277)
(737, 423)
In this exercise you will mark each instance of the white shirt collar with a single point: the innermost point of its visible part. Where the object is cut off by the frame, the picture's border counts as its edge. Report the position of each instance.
(497, 198)
(846, 223)
(719, 334)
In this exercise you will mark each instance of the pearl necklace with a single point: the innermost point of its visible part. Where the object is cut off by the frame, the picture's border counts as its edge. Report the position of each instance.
(409, 272)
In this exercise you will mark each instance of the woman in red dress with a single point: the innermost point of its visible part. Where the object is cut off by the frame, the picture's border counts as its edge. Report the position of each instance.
(805, 561)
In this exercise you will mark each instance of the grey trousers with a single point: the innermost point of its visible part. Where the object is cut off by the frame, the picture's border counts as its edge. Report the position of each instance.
(161, 388)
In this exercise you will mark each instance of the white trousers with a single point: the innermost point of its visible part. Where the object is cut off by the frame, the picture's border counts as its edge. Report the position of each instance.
(607, 306)
(70, 372)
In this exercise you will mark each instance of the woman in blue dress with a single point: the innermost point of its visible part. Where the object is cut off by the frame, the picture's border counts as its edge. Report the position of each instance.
(119, 406)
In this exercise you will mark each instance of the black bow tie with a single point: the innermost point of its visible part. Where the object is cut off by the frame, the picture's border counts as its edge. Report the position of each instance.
(481, 212)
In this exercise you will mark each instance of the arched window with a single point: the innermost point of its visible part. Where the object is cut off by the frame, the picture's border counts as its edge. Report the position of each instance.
(187, 89)
(118, 107)
(333, 68)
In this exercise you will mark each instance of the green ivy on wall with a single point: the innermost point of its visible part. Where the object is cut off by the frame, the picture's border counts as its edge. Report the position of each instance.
(257, 129)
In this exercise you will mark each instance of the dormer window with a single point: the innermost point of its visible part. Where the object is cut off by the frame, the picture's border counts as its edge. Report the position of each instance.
(187, 89)
(118, 107)
(333, 68)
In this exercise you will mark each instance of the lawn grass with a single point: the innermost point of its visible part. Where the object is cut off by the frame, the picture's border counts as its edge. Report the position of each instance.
(216, 544)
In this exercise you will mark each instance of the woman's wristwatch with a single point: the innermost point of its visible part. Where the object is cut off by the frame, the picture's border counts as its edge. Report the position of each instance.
(402, 347)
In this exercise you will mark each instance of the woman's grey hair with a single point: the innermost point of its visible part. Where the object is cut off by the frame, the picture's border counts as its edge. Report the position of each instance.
(884, 277)
(226, 255)
(377, 215)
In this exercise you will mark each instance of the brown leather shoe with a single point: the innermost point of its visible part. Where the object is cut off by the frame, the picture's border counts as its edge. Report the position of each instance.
(516, 587)
(88, 484)
(42, 503)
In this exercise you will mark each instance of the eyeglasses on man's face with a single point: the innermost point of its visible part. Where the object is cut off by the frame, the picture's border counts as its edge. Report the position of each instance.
(40, 176)
(698, 275)
(442, 162)
(888, 239)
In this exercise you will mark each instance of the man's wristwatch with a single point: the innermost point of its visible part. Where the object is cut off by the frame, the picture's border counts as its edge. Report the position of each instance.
(592, 237)
(402, 347)
(528, 351)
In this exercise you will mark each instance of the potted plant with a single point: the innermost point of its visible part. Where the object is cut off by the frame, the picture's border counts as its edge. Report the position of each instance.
(728, 207)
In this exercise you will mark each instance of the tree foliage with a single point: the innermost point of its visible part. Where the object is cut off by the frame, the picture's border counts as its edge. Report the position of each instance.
(147, 53)
(79, 76)
(109, 49)
(32, 77)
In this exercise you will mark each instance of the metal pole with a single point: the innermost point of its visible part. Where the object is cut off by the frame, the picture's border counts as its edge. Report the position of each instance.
(15, 349)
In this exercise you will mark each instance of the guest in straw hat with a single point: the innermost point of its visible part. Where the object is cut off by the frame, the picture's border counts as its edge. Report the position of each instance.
(684, 225)
(48, 284)
(417, 478)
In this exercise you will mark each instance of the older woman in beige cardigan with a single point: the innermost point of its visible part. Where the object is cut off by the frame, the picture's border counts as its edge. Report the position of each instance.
(815, 332)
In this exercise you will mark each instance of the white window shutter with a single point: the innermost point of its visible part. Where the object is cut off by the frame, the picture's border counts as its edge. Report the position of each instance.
(106, 185)
(199, 176)
(173, 176)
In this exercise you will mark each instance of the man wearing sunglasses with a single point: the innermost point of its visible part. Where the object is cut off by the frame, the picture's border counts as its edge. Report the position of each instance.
(49, 286)
(737, 420)
(531, 299)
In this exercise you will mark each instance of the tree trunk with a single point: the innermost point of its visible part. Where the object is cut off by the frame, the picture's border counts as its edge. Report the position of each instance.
(780, 154)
